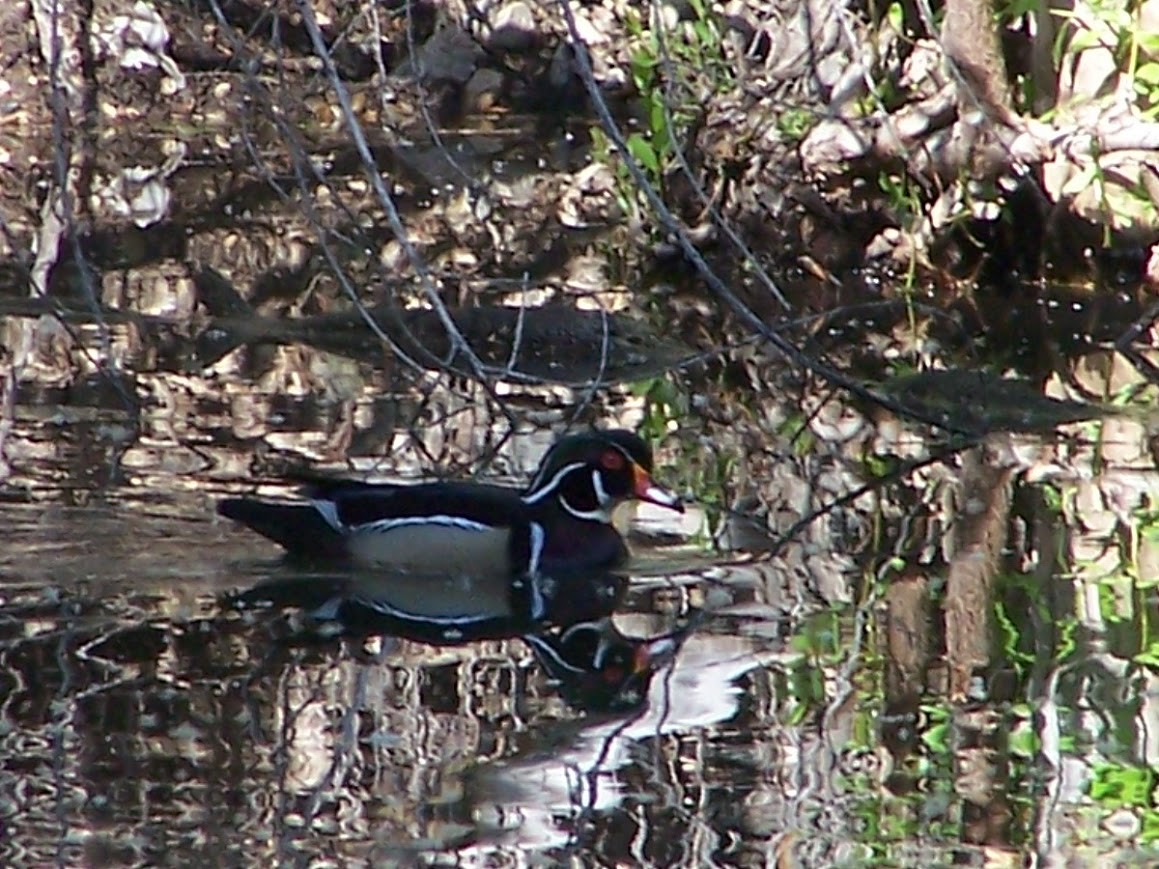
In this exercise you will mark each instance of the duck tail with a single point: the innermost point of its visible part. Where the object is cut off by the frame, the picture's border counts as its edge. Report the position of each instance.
(300, 529)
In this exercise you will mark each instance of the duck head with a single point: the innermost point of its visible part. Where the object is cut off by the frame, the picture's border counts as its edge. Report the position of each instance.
(590, 473)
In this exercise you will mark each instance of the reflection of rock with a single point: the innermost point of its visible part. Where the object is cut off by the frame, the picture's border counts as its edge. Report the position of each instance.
(553, 343)
(583, 774)
(978, 402)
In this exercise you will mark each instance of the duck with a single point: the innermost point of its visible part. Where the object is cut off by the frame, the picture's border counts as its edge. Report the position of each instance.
(461, 556)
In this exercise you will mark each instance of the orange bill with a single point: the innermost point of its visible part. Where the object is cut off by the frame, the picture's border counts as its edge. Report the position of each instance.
(647, 489)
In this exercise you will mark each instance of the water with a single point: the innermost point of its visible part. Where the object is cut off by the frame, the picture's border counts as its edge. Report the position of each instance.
(142, 722)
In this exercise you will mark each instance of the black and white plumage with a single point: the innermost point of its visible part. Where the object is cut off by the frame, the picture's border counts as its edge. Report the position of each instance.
(463, 554)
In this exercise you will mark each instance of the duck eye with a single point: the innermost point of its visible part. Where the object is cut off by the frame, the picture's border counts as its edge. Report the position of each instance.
(612, 460)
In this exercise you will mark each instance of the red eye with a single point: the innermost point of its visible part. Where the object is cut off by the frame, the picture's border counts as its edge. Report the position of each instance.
(612, 460)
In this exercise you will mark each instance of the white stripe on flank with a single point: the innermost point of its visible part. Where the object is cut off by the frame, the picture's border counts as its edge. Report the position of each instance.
(382, 526)
(538, 605)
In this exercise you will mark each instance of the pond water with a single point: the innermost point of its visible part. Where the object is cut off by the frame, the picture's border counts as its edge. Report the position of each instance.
(143, 722)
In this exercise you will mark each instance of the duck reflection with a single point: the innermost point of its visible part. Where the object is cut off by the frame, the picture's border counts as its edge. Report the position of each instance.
(573, 769)
(434, 609)
(599, 669)
(595, 667)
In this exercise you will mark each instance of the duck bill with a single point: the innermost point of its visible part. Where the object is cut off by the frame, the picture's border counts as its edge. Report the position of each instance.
(647, 489)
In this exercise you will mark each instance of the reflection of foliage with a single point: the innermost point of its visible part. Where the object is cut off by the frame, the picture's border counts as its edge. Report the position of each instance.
(1021, 603)
(1116, 786)
(818, 640)
(675, 71)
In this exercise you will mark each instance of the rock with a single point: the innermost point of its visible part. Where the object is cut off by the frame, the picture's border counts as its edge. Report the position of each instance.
(482, 91)
(514, 28)
(450, 55)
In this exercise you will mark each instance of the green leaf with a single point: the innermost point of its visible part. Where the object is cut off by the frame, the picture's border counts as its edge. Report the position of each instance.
(643, 152)
(1083, 40)
(895, 15)
(1148, 41)
(644, 70)
(1149, 657)
(1148, 73)
(658, 122)
(1117, 786)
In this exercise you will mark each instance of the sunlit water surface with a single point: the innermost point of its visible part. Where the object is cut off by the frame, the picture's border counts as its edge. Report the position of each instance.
(143, 723)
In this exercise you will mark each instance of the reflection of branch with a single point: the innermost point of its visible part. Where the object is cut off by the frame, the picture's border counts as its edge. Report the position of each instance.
(416, 57)
(296, 152)
(670, 76)
(343, 748)
(61, 36)
(598, 379)
(1123, 343)
(393, 218)
(672, 226)
(903, 470)
(308, 174)
(517, 339)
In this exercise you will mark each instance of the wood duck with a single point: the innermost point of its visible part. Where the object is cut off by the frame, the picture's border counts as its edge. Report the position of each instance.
(471, 553)
(601, 669)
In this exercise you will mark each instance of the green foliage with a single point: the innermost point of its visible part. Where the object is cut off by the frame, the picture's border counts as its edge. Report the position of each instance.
(1146, 85)
(794, 123)
(674, 72)
(796, 430)
(895, 15)
(665, 405)
(903, 196)
(1024, 741)
(1116, 786)
(1116, 27)
(705, 473)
